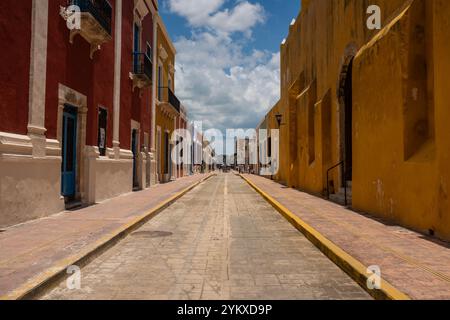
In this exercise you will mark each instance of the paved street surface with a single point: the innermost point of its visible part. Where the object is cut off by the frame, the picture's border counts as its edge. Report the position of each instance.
(30, 250)
(220, 241)
(415, 264)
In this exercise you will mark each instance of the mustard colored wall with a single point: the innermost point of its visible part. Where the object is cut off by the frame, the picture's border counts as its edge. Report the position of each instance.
(165, 123)
(164, 42)
(441, 54)
(320, 42)
(401, 141)
(164, 120)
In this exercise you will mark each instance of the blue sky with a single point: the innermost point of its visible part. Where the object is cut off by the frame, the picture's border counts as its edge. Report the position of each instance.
(227, 68)
(266, 36)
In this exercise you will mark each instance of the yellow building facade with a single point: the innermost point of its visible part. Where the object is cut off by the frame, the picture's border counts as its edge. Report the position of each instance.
(167, 104)
(373, 103)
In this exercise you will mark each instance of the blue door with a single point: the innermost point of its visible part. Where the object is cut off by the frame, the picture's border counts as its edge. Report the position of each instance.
(69, 152)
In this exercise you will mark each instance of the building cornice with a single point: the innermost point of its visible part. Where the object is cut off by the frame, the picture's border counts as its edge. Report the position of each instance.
(161, 24)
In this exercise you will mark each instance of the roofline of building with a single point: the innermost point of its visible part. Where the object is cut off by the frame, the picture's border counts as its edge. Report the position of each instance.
(166, 34)
(294, 22)
(261, 122)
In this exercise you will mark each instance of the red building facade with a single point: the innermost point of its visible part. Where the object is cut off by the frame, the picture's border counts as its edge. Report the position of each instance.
(75, 103)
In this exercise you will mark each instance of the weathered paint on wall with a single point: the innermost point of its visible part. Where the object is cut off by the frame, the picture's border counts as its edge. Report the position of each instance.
(408, 183)
(398, 142)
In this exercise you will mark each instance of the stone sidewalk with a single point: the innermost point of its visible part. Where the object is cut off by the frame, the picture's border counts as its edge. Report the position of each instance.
(31, 251)
(415, 264)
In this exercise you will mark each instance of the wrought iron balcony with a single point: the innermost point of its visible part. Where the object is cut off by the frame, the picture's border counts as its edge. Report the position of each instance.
(173, 100)
(95, 21)
(142, 70)
(101, 10)
(167, 97)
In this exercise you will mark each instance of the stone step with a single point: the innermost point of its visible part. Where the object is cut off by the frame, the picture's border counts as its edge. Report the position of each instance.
(342, 191)
(74, 205)
(340, 199)
(340, 196)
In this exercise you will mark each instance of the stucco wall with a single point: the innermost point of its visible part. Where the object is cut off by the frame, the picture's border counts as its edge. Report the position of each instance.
(398, 145)
(319, 44)
(385, 185)
(112, 178)
(134, 103)
(36, 182)
(70, 65)
(15, 37)
(400, 142)
(165, 123)
(164, 120)
(441, 53)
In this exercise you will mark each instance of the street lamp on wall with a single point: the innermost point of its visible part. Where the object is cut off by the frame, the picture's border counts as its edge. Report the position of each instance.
(279, 118)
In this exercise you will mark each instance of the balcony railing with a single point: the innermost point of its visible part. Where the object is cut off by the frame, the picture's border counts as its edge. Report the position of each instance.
(101, 10)
(142, 65)
(166, 96)
(173, 100)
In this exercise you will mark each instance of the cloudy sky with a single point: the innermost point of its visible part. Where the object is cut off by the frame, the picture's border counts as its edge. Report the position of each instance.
(228, 57)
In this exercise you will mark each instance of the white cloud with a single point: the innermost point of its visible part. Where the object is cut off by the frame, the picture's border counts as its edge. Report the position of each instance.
(219, 81)
(241, 18)
(221, 85)
(196, 12)
(207, 14)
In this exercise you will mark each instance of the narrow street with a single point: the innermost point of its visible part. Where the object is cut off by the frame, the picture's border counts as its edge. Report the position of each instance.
(250, 150)
(220, 241)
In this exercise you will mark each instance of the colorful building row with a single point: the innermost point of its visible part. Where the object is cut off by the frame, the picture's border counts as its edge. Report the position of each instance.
(365, 110)
(80, 104)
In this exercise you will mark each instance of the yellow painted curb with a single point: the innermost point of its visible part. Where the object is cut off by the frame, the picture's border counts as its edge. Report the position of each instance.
(32, 287)
(353, 267)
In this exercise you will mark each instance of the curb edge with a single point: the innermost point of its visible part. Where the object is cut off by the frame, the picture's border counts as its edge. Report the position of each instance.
(34, 286)
(350, 265)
